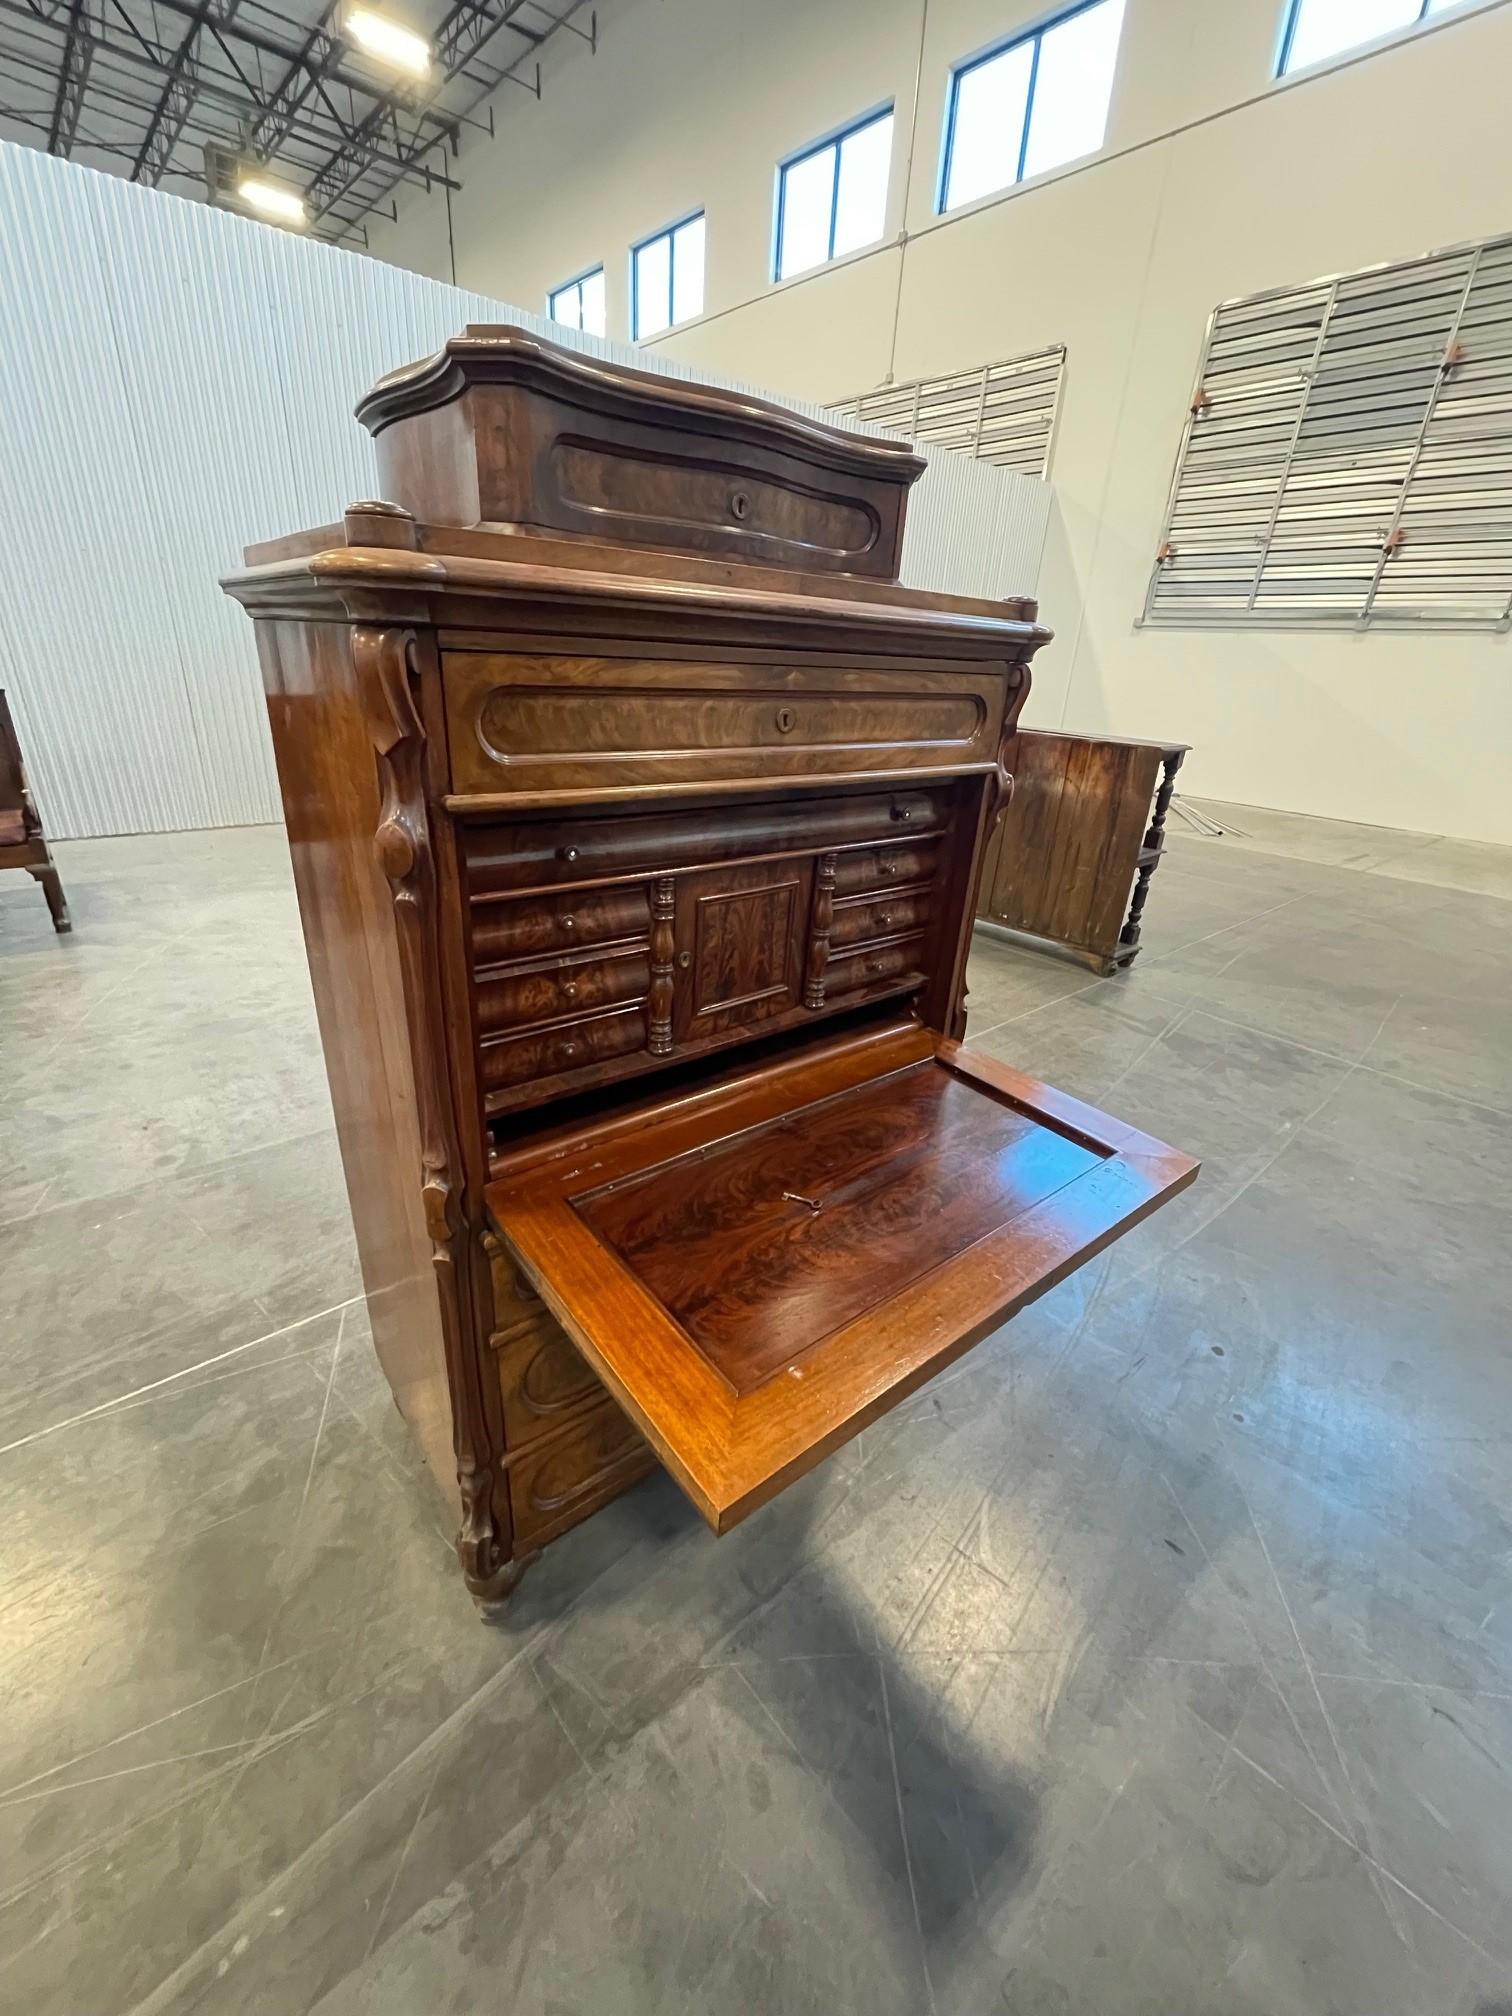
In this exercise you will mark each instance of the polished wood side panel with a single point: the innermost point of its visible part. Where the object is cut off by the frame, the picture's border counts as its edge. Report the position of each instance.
(329, 780)
(1079, 836)
(389, 663)
(945, 1192)
(527, 723)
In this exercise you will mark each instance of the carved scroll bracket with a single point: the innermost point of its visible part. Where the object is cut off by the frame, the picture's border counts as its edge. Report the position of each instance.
(388, 681)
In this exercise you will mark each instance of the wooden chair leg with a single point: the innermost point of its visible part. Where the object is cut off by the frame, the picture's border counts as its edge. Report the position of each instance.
(57, 902)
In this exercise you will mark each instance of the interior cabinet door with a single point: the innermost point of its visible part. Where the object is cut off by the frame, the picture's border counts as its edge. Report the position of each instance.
(740, 934)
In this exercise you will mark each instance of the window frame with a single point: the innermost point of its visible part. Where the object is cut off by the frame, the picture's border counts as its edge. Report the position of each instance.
(577, 280)
(1036, 34)
(669, 232)
(836, 139)
(1381, 40)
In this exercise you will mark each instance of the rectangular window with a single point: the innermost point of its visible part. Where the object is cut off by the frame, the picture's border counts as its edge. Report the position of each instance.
(1348, 454)
(833, 198)
(667, 278)
(1031, 105)
(1319, 29)
(580, 303)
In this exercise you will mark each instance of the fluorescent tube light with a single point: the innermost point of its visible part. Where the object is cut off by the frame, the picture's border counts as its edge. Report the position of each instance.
(387, 41)
(272, 199)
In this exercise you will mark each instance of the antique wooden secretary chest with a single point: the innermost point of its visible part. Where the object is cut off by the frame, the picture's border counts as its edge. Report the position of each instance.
(637, 816)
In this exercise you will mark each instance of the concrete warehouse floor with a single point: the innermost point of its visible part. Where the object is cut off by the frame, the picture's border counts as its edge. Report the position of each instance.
(1157, 1658)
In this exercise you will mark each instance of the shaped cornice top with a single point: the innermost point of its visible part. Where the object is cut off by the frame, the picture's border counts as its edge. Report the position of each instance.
(504, 354)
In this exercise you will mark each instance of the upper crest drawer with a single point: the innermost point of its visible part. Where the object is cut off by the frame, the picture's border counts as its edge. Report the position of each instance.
(532, 724)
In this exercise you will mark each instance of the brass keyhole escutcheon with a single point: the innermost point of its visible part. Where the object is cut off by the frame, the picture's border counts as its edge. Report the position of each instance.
(685, 960)
(787, 719)
(740, 504)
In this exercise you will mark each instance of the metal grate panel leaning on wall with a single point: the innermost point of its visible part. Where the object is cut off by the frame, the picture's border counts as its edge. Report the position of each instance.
(1348, 454)
(1002, 413)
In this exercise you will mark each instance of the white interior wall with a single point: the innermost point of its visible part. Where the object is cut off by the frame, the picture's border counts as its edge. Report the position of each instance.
(178, 384)
(1215, 181)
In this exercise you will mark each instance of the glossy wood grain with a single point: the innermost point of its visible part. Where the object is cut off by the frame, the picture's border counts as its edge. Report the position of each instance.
(563, 923)
(638, 818)
(590, 848)
(1083, 830)
(501, 427)
(560, 985)
(523, 722)
(749, 1332)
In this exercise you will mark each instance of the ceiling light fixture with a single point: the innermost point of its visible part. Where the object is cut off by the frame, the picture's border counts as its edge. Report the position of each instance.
(387, 41)
(272, 199)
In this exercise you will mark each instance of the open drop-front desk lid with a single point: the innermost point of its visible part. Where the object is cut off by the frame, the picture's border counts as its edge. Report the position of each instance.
(758, 1270)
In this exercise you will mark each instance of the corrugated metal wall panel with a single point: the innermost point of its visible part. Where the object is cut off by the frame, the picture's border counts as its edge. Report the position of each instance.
(179, 382)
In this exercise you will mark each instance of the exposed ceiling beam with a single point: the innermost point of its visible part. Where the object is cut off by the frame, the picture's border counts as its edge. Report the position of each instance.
(464, 31)
(313, 129)
(73, 75)
(175, 103)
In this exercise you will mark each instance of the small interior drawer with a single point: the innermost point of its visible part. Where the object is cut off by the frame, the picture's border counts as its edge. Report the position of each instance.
(558, 923)
(544, 1054)
(540, 724)
(872, 963)
(889, 915)
(889, 867)
(561, 986)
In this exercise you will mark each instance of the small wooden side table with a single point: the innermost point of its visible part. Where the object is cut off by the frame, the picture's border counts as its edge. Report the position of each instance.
(1080, 842)
(23, 844)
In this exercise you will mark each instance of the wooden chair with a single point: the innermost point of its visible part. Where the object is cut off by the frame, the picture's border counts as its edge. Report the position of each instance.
(23, 844)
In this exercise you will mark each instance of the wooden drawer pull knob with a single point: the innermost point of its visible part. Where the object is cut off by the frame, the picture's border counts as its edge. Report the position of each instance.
(569, 1051)
(569, 990)
(902, 813)
(885, 919)
(569, 923)
(568, 853)
(886, 867)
